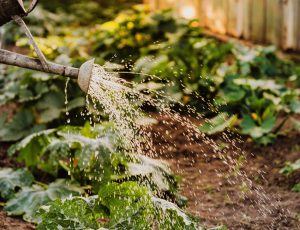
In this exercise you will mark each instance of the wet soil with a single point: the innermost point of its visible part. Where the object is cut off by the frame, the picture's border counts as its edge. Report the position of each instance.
(230, 180)
(227, 179)
(9, 223)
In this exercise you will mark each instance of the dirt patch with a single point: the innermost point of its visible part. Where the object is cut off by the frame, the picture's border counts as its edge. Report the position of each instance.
(5, 161)
(250, 195)
(9, 223)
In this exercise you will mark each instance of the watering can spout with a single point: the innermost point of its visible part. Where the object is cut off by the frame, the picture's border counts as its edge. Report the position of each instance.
(82, 74)
(14, 10)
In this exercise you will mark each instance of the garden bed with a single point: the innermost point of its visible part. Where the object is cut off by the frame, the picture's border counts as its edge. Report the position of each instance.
(216, 201)
(205, 179)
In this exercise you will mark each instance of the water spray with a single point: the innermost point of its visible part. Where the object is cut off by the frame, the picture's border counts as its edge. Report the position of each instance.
(14, 10)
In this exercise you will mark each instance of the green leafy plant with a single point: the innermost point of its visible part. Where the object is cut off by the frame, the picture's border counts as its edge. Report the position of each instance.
(93, 156)
(296, 188)
(12, 180)
(41, 103)
(257, 103)
(29, 199)
(218, 124)
(72, 213)
(289, 169)
(118, 206)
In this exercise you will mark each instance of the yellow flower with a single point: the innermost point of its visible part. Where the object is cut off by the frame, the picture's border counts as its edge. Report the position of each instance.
(122, 43)
(138, 37)
(110, 26)
(186, 99)
(130, 25)
(254, 116)
(123, 33)
(194, 24)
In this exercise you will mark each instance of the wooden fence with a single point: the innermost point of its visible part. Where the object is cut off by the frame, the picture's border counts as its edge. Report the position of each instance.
(261, 21)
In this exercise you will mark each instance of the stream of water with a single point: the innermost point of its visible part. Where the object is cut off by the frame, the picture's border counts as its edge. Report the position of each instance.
(121, 101)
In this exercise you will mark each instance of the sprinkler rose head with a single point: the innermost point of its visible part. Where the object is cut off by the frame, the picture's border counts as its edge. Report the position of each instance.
(85, 74)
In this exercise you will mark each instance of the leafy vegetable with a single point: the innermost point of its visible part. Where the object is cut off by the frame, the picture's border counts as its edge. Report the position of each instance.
(29, 199)
(11, 180)
(218, 124)
(21, 125)
(128, 206)
(72, 213)
(290, 168)
(41, 102)
(93, 156)
(296, 188)
(171, 217)
(118, 206)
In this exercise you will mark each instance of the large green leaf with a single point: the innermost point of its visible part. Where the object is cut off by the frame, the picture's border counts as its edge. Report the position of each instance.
(75, 213)
(11, 180)
(50, 107)
(31, 147)
(260, 133)
(290, 167)
(296, 188)
(119, 206)
(154, 174)
(249, 126)
(30, 199)
(171, 217)
(295, 106)
(131, 206)
(128, 206)
(21, 125)
(218, 123)
(93, 156)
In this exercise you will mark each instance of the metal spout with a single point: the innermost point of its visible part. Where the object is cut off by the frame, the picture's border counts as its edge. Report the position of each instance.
(85, 74)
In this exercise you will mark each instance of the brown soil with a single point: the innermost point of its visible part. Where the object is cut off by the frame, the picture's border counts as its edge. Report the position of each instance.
(250, 195)
(219, 193)
(9, 223)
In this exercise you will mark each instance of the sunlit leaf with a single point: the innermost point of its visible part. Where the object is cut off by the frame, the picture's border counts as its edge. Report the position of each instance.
(218, 124)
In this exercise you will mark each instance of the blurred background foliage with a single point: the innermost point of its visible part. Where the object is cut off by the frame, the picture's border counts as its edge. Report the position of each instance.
(249, 83)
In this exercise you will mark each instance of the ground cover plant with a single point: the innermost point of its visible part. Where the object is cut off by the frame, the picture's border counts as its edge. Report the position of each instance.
(130, 190)
(92, 180)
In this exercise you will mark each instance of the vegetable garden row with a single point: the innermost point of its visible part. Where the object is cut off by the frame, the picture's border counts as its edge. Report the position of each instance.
(76, 172)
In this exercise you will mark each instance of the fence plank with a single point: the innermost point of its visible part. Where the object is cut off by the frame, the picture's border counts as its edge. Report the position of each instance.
(298, 26)
(289, 24)
(257, 20)
(246, 19)
(234, 16)
(208, 13)
(263, 21)
(273, 22)
(220, 22)
(153, 4)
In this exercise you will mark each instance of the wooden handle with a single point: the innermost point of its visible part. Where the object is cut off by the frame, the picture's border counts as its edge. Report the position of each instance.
(14, 59)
